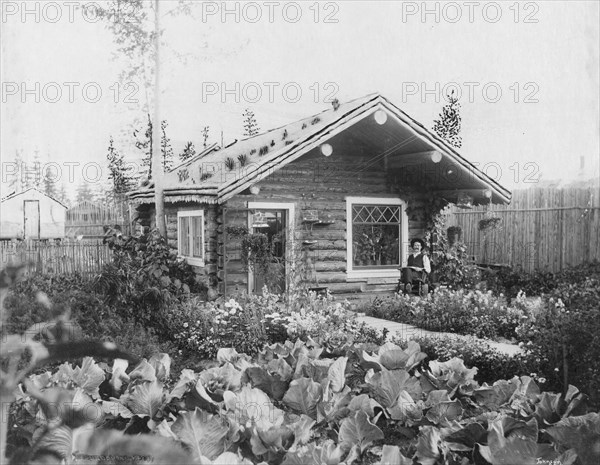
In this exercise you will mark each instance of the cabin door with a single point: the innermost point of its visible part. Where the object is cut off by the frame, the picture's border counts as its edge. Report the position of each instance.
(32, 219)
(275, 224)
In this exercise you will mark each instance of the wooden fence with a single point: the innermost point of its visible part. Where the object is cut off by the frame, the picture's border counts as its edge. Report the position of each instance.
(86, 258)
(542, 229)
(88, 219)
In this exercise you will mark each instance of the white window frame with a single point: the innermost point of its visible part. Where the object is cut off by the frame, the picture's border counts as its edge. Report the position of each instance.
(191, 260)
(380, 273)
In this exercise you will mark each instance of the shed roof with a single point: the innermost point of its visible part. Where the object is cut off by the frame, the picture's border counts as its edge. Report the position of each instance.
(216, 175)
(16, 194)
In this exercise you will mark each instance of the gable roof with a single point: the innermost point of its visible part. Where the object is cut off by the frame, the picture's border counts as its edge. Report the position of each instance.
(16, 194)
(214, 176)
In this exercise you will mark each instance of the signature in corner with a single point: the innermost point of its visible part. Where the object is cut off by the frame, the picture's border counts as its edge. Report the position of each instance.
(541, 461)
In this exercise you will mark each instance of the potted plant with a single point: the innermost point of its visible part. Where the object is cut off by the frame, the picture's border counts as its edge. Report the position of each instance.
(454, 234)
(256, 252)
(311, 215)
(489, 223)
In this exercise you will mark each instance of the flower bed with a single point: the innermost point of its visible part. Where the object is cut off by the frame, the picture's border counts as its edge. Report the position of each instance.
(475, 313)
(251, 321)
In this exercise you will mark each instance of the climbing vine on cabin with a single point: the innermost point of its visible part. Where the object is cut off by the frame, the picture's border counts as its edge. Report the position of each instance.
(429, 211)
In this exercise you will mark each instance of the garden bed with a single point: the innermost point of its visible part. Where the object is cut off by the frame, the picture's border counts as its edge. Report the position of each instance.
(475, 313)
(299, 403)
(334, 389)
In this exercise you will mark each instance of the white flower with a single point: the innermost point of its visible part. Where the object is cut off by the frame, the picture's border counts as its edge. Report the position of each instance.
(232, 311)
(185, 325)
(542, 380)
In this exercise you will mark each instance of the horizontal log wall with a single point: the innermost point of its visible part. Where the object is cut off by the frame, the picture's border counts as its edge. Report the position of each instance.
(312, 186)
(213, 226)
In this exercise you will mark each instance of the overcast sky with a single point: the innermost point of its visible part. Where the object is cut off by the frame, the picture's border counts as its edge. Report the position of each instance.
(528, 73)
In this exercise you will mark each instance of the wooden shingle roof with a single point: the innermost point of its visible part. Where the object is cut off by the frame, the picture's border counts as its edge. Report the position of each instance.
(216, 175)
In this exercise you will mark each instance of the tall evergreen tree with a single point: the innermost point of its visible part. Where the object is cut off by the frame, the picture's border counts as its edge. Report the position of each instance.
(189, 151)
(17, 182)
(50, 176)
(120, 181)
(250, 125)
(62, 196)
(49, 183)
(144, 143)
(84, 193)
(448, 125)
(36, 171)
(205, 136)
(165, 147)
(138, 38)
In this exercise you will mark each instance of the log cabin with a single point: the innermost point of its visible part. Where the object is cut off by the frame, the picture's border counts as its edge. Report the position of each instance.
(336, 194)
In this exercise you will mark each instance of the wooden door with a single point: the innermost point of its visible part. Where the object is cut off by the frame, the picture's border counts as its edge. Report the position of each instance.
(275, 228)
(32, 219)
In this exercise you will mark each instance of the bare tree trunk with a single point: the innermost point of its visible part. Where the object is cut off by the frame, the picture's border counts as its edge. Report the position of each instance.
(157, 163)
(6, 400)
(565, 368)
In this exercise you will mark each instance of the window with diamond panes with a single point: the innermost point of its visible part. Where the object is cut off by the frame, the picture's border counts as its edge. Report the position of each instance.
(376, 236)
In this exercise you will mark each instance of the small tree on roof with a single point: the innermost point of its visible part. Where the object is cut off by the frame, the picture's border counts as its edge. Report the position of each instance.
(189, 151)
(448, 125)
(205, 136)
(250, 125)
(145, 143)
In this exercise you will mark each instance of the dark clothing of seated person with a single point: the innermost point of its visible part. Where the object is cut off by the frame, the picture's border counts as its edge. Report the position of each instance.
(418, 267)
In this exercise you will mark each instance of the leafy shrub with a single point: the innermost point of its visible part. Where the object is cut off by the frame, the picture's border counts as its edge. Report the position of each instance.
(146, 277)
(472, 312)
(491, 364)
(451, 267)
(511, 281)
(91, 318)
(564, 333)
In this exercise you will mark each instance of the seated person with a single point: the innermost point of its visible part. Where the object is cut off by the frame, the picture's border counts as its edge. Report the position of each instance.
(418, 267)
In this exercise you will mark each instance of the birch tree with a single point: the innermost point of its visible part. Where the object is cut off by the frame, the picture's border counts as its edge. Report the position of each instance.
(136, 28)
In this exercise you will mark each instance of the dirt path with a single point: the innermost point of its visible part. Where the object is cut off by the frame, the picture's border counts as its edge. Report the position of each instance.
(407, 332)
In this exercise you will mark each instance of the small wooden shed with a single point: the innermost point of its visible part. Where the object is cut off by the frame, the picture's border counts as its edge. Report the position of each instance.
(31, 214)
(90, 219)
(339, 192)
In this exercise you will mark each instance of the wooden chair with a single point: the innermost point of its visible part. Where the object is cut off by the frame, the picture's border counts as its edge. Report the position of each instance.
(421, 287)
